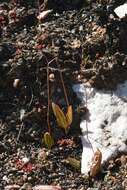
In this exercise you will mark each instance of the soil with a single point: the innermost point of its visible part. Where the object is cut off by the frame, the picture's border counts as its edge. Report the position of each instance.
(87, 42)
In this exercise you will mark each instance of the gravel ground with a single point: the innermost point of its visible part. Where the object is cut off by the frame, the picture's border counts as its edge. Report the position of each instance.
(89, 45)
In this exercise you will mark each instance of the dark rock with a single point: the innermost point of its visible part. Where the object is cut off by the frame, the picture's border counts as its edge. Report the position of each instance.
(6, 51)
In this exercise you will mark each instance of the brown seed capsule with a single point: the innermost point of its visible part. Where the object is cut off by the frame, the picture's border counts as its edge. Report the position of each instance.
(51, 77)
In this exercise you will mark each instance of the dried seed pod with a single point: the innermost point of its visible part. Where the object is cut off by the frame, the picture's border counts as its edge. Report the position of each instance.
(96, 163)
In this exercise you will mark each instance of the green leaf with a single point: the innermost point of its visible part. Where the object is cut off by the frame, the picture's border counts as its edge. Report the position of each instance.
(73, 162)
(69, 115)
(48, 140)
(61, 118)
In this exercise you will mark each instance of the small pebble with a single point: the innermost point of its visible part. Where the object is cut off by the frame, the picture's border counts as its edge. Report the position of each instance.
(25, 160)
(5, 178)
(16, 83)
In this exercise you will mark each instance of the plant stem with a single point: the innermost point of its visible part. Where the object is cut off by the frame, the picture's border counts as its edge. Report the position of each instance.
(64, 89)
(48, 96)
(48, 90)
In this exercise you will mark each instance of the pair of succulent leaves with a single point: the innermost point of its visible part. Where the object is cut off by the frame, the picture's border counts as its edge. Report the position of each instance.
(63, 121)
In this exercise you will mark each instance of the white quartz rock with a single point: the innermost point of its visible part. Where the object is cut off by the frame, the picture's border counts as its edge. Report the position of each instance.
(121, 11)
(106, 125)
